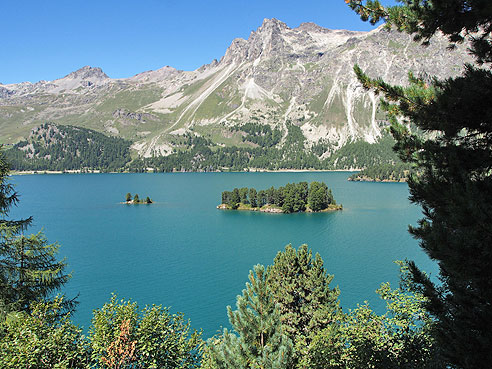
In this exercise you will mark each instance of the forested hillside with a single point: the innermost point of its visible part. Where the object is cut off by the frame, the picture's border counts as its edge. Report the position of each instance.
(57, 147)
(194, 153)
(399, 172)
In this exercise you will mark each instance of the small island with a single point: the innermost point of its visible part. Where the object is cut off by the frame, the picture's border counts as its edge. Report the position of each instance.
(292, 198)
(136, 199)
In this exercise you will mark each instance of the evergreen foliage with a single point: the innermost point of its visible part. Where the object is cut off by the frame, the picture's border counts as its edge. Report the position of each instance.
(301, 288)
(294, 292)
(361, 154)
(292, 198)
(253, 197)
(29, 270)
(203, 155)
(454, 160)
(57, 147)
(260, 341)
(385, 172)
(136, 199)
(260, 134)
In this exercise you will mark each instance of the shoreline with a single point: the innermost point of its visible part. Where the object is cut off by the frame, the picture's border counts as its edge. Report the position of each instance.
(254, 170)
(71, 171)
(376, 180)
(276, 210)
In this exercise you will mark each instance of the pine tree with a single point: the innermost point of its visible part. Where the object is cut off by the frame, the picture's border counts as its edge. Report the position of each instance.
(454, 161)
(29, 270)
(301, 288)
(260, 342)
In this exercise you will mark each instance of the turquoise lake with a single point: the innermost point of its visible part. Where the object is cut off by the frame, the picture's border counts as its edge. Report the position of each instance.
(183, 253)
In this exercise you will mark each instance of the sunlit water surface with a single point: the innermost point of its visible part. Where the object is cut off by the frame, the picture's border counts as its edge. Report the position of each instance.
(183, 253)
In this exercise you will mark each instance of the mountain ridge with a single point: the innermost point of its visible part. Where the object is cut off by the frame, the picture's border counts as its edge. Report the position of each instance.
(279, 76)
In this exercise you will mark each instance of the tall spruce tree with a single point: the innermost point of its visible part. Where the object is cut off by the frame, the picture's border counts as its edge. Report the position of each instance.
(261, 342)
(301, 288)
(32, 271)
(29, 270)
(454, 159)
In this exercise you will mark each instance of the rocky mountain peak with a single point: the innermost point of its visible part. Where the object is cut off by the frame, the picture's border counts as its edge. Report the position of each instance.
(158, 75)
(266, 40)
(88, 72)
(272, 24)
(311, 27)
(85, 77)
(270, 30)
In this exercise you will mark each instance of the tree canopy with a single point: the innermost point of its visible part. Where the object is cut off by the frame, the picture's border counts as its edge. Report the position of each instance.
(260, 341)
(151, 338)
(291, 198)
(289, 309)
(300, 286)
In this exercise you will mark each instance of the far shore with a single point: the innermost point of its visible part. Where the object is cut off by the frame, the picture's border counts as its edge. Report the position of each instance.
(251, 170)
(74, 171)
(368, 179)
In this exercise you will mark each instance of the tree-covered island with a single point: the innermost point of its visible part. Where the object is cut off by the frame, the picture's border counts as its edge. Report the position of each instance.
(136, 199)
(292, 198)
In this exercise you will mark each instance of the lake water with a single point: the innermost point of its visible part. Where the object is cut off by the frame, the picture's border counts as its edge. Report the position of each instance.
(183, 253)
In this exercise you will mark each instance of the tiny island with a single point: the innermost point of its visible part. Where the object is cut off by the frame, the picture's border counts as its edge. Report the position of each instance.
(291, 198)
(136, 199)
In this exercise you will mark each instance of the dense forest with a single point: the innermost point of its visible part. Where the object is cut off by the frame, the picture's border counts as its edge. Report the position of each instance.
(200, 154)
(291, 198)
(57, 147)
(384, 173)
(260, 134)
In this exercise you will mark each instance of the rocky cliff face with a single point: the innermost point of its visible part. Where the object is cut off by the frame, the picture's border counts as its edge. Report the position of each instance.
(278, 76)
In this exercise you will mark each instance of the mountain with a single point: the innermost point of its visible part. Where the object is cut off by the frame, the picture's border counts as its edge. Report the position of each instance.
(58, 147)
(279, 77)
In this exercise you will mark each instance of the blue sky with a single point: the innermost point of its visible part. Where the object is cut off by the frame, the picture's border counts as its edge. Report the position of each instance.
(45, 40)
